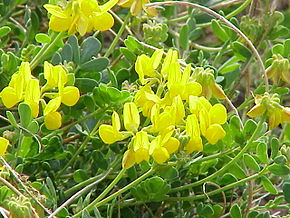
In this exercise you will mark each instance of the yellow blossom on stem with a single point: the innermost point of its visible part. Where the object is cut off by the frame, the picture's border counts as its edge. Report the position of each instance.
(192, 129)
(32, 96)
(128, 159)
(270, 104)
(131, 117)
(146, 66)
(80, 16)
(14, 93)
(141, 147)
(3, 145)
(52, 118)
(146, 99)
(111, 133)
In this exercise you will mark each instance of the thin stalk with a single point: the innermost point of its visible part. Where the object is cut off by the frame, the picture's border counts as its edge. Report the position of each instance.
(228, 23)
(114, 195)
(45, 49)
(10, 186)
(229, 164)
(118, 36)
(79, 193)
(120, 21)
(80, 149)
(104, 193)
(217, 191)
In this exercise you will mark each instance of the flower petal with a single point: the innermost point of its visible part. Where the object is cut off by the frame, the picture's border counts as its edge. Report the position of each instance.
(52, 120)
(3, 145)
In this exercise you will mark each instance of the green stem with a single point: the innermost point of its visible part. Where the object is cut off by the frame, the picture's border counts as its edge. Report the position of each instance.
(45, 49)
(104, 193)
(227, 187)
(80, 149)
(114, 195)
(118, 36)
(78, 186)
(229, 164)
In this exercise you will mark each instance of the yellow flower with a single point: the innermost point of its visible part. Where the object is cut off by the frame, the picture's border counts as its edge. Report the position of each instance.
(111, 133)
(52, 118)
(146, 66)
(128, 159)
(180, 84)
(269, 104)
(192, 129)
(3, 145)
(141, 147)
(163, 145)
(211, 121)
(55, 76)
(14, 93)
(136, 7)
(80, 16)
(162, 120)
(32, 96)
(131, 117)
(146, 99)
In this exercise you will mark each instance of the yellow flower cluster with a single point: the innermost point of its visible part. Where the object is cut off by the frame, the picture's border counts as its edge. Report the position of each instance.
(170, 99)
(24, 87)
(80, 16)
(270, 104)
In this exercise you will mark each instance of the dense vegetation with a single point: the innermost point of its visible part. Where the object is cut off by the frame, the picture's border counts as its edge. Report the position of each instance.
(134, 108)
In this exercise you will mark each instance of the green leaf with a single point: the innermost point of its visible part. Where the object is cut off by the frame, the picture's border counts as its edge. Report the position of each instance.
(80, 175)
(207, 211)
(100, 160)
(195, 34)
(251, 162)
(25, 146)
(286, 48)
(228, 68)
(128, 54)
(89, 102)
(184, 37)
(169, 173)
(262, 152)
(268, 186)
(275, 145)
(4, 31)
(279, 170)
(73, 41)
(33, 127)
(240, 49)
(227, 179)
(249, 128)
(95, 65)
(281, 160)
(278, 49)
(25, 114)
(238, 171)
(67, 53)
(114, 93)
(89, 48)
(235, 211)
(286, 191)
(113, 78)
(85, 84)
(11, 119)
(42, 38)
(219, 31)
